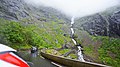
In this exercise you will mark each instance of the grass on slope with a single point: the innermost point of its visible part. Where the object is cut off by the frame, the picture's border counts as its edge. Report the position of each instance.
(21, 35)
(100, 49)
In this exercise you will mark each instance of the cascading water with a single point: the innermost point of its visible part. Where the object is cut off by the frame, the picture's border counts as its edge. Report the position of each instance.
(80, 55)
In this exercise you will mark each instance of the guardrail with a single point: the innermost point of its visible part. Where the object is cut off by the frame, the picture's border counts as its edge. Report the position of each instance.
(70, 62)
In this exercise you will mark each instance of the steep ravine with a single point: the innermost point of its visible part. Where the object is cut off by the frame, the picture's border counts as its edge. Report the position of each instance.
(79, 52)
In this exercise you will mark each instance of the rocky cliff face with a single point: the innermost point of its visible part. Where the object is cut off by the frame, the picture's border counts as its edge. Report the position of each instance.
(114, 26)
(19, 10)
(96, 25)
(13, 9)
(106, 23)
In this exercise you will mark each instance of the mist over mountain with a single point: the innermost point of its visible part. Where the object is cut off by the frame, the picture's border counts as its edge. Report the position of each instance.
(78, 8)
(19, 10)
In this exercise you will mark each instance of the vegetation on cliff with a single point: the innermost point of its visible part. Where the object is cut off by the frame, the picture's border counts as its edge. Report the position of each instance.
(109, 52)
(22, 35)
(100, 49)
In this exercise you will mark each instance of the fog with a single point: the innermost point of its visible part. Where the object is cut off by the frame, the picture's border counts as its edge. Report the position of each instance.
(77, 8)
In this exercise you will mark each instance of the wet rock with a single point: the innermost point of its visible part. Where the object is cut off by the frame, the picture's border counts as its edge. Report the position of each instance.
(13, 8)
(34, 49)
(101, 24)
(96, 26)
(114, 26)
(20, 10)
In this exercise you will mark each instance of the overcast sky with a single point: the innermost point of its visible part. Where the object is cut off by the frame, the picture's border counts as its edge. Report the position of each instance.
(77, 8)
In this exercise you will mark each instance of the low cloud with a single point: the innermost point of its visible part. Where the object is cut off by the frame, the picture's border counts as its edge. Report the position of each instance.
(78, 8)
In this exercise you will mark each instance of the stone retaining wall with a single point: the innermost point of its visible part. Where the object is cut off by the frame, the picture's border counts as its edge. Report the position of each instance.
(70, 62)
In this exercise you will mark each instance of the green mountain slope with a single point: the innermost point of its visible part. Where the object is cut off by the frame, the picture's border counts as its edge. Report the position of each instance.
(100, 36)
(32, 26)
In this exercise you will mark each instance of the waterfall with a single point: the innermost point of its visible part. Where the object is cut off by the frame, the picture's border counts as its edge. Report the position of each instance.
(80, 55)
(79, 52)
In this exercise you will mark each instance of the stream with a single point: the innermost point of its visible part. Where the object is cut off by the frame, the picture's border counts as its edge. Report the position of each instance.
(79, 52)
